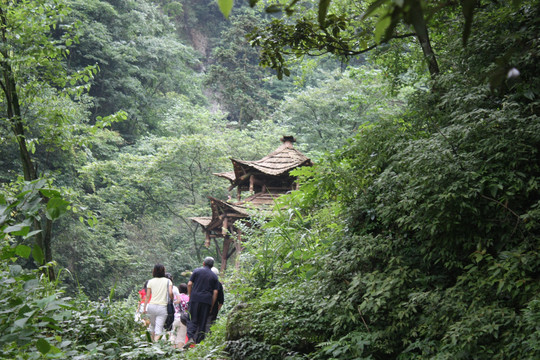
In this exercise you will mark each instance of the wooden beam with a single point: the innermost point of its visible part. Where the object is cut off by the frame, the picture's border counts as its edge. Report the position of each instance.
(237, 215)
(238, 246)
(218, 250)
(233, 250)
(225, 225)
(245, 176)
(225, 252)
(255, 181)
(207, 240)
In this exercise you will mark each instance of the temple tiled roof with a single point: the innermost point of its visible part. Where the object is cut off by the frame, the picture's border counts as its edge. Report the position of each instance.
(204, 221)
(261, 199)
(219, 205)
(279, 162)
(229, 175)
(267, 179)
(274, 166)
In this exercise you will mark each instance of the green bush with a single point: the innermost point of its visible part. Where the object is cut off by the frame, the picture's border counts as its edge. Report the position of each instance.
(30, 314)
(419, 239)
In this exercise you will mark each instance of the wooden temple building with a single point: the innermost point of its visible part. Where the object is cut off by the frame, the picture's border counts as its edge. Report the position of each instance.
(265, 180)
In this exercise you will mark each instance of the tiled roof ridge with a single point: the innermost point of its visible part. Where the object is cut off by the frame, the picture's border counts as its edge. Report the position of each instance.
(284, 158)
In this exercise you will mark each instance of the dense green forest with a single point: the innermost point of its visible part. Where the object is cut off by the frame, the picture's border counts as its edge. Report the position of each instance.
(414, 236)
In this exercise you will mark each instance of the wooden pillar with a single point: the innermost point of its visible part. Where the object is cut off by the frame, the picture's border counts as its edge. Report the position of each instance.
(207, 239)
(251, 183)
(226, 244)
(238, 246)
(218, 250)
(225, 226)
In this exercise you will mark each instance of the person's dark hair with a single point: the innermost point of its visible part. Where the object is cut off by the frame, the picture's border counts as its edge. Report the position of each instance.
(169, 276)
(208, 262)
(145, 285)
(159, 271)
(182, 288)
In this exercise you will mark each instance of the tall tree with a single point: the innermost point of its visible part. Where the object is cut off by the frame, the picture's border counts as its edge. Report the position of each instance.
(29, 56)
(43, 104)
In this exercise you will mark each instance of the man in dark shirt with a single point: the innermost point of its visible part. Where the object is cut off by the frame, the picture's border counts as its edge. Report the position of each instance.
(203, 292)
(217, 306)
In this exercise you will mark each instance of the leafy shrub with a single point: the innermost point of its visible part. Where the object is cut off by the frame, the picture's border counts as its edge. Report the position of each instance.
(30, 312)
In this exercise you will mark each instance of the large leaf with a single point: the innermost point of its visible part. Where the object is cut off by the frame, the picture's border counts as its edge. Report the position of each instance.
(33, 185)
(31, 284)
(4, 213)
(17, 229)
(56, 207)
(15, 270)
(373, 7)
(21, 322)
(225, 6)
(37, 253)
(43, 346)
(50, 193)
(31, 233)
(23, 251)
(381, 28)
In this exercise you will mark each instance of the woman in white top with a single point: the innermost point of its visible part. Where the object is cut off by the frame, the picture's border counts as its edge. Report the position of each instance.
(157, 289)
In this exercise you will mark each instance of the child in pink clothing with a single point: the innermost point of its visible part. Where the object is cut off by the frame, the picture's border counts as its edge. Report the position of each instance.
(179, 330)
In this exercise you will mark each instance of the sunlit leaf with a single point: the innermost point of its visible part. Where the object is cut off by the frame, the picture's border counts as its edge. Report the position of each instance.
(31, 284)
(15, 269)
(17, 229)
(381, 28)
(37, 254)
(43, 346)
(21, 322)
(111, 293)
(56, 207)
(50, 193)
(31, 233)
(225, 6)
(23, 251)
(373, 7)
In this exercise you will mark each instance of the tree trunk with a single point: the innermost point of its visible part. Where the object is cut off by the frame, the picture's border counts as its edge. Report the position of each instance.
(13, 110)
(224, 252)
(416, 18)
